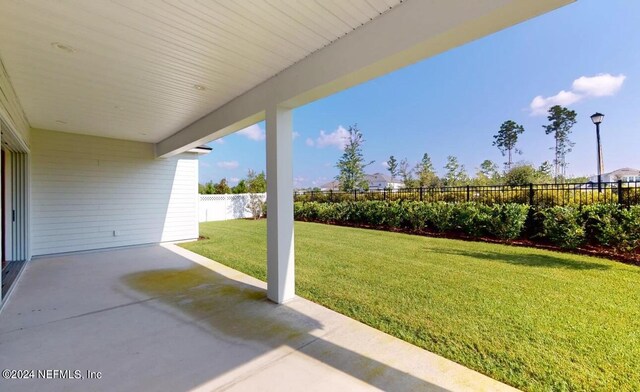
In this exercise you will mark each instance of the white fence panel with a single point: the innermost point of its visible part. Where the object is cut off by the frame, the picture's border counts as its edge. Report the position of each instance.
(225, 207)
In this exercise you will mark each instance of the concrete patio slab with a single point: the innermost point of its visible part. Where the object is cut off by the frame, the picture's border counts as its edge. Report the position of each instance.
(160, 318)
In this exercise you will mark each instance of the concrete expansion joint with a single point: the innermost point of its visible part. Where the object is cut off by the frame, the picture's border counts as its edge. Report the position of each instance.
(82, 315)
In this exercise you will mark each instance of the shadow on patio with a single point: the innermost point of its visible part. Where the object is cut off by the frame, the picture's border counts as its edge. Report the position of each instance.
(238, 312)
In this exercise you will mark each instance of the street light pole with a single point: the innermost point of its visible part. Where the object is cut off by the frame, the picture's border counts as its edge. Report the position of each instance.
(597, 119)
(599, 158)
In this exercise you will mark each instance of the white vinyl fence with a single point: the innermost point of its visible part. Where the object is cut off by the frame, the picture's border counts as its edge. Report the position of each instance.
(225, 207)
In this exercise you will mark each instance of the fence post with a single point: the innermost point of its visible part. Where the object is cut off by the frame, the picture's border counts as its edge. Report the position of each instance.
(355, 195)
(620, 194)
(421, 191)
(331, 194)
(384, 194)
(312, 196)
(468, 193)
(531, 194)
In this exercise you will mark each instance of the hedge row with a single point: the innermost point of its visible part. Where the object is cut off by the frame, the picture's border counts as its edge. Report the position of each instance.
(566, 226)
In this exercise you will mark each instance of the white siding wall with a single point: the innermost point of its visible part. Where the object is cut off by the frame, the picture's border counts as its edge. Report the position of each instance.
(85, 187)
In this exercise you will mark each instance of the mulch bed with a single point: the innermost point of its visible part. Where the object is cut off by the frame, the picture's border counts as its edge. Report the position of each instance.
(587, 250)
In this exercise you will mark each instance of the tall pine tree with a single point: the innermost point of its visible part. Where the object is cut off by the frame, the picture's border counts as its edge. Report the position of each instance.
(392, 167)
(351, 164)
(426, 173)
(506, 140)
(561, 120)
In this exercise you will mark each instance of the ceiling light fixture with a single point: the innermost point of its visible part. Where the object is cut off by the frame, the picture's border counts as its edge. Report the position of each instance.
(63, 47)
(199, 87)
(61, 122)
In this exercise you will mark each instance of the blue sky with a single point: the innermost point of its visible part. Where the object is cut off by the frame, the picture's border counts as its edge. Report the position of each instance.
(585, 56)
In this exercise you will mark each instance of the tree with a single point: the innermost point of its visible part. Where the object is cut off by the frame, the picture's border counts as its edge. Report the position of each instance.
(545, 171)
(522, 174)
(392, 167)
(222, 187)
(506, 140)
(241, 187)
(351, 165)
(206, 189)
(455, 172)
(426, 173)
(405, 173)
(561, 120)
(487, 173)
(256, 182)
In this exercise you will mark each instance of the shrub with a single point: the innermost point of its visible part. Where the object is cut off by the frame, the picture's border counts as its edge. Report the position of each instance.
(472, 218)
(256, 206)
(416, 215)
(440, 216)
(395, 214)
(568, 227)
(563, 226)
(507, 221)
(599, 219)
(610, 225)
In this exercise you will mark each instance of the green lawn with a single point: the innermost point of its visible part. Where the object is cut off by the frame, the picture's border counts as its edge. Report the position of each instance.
(534, 319)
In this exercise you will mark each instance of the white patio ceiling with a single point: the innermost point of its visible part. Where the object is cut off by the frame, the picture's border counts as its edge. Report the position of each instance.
(175, 72)
(143, 70)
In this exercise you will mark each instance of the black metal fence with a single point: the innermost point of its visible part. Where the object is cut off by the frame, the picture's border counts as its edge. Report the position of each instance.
(624, 193)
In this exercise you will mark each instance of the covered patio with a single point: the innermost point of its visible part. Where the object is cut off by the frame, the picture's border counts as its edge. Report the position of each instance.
(158, 318)
(104, 107)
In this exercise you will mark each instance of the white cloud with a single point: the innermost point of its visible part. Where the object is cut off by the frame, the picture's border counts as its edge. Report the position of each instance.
(234, 180)
(338, 139)
(228, 164)
(253, 132)
(296, 134)
(600, 85)
(540, 104)
(384, 164)
(204, 164)
(219, 141)
(584, 87)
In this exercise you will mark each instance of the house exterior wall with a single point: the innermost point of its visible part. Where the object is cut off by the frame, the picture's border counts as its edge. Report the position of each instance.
(89, 193)
(625, 174)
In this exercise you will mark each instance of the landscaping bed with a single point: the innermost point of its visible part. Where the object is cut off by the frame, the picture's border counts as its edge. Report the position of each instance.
(605, 230)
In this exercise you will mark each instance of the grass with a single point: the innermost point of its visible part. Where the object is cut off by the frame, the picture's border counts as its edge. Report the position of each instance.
(534, 319)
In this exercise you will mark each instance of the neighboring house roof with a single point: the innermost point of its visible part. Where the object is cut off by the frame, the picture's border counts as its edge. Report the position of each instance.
(331, 185)
(624, 171)
(371, 178)
(378, 177)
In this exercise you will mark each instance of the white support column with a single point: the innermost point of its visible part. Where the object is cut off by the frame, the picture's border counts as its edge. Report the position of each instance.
(280, 257)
